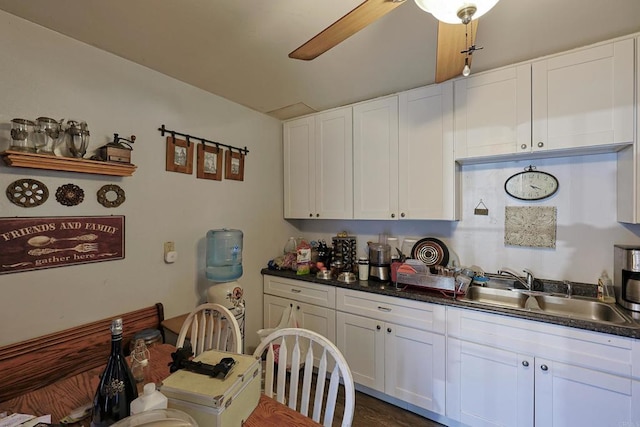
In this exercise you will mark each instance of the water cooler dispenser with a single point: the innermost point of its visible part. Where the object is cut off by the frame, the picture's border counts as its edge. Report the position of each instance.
(224, 267)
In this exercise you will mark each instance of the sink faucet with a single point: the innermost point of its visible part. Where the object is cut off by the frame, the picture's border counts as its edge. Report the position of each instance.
(527, 281)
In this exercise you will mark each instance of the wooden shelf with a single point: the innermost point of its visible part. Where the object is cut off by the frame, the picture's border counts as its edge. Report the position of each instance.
(68, 164)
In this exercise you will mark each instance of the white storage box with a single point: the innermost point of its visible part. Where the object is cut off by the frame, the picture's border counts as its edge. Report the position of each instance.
(214, 402)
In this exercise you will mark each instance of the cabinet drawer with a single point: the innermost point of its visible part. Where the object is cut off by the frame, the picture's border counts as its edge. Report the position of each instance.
(419, 315)
(603, 352)
(312, 293)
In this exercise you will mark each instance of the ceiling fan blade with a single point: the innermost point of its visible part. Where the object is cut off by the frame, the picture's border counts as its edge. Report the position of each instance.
(451, 41)
(366, 13)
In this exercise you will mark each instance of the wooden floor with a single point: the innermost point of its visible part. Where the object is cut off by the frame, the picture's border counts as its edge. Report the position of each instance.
(371, 412)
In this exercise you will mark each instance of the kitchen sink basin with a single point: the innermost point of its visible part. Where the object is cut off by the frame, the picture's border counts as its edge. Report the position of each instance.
(557, 305)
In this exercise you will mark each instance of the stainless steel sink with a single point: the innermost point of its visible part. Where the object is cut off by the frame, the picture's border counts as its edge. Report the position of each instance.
(575, 308)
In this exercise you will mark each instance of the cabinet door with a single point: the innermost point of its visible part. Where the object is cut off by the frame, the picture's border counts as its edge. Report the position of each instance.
(574, 396)
(375, 154)
(334, 164)
(487, 386)
(415, 366)
(427, 170)
(493, 113)
(299, 168)
(584, 98)
(318, 319)
(361, 341)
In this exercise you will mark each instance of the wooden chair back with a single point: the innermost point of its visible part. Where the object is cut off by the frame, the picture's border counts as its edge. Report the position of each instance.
(211, 327)
(285, 359)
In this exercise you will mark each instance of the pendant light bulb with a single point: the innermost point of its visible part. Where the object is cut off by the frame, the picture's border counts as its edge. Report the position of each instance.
(466, 70)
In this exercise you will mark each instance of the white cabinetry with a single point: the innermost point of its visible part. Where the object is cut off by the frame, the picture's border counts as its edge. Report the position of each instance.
(493, 113)
(579, 101)
(394, 346)
(403, 156)
(628, 167)
(375, 159)
(318, 178)
(505, 371)
(314, 304)
(428, 175)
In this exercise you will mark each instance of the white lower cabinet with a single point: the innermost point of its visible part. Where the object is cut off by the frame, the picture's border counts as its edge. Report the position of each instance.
(509, 372)
(394, 346)
(314, 305)
(318, 319)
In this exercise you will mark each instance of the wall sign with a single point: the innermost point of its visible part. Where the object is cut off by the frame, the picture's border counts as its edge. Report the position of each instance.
(46, 242)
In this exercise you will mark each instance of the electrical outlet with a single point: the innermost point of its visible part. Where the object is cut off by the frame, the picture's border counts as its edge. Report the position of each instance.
(169, 247)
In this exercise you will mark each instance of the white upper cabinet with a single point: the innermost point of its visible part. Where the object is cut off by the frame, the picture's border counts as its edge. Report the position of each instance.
(318, 178)
(584, 98)
(375, 159)
(580, 101)
(628, 167)
(403, 156)
(299, 168)
(493, 113)
(428, 174)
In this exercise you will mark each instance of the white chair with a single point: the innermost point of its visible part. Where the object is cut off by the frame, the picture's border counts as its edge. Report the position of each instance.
(292, 358)
(211, 327)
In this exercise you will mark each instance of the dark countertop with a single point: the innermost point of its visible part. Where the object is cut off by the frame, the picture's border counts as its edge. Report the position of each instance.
(630, 329)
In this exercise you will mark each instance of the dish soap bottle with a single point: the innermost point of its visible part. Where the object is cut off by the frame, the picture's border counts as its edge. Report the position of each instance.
(117, 388)
(605, 289)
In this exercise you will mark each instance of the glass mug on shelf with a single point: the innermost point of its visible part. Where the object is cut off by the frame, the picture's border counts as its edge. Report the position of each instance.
(22, 135)
(48, 135)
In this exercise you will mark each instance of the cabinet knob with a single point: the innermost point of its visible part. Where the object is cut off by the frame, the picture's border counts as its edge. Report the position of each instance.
(310, 215)
(317, 215)
(544, 367)
(402, 214)
(523, 146)
(378, 327)
(525, 363)
(393, 215)
(389, 330)
(540, 144)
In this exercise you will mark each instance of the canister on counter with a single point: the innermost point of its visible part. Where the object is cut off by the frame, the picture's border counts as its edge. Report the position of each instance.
(336, 268)
(363, 268)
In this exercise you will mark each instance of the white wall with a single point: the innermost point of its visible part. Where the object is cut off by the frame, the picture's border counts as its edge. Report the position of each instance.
(43, 73)
(586, 221)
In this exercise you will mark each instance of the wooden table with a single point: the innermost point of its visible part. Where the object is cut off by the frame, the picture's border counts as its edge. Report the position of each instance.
(61, 398)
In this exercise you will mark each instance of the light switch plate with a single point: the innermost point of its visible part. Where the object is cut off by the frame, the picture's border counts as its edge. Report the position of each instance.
(169, 247)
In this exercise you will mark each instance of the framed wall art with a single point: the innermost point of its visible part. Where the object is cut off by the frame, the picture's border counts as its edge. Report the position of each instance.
(209, 162)
(179, 155)
(234, 167)
(44, 242)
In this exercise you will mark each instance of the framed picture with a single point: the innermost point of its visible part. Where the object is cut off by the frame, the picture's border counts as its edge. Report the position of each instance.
(209, 162)
(179, 155)
(234, 168)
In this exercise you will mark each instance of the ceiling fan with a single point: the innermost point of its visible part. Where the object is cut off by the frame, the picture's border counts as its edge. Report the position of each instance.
(453, 53)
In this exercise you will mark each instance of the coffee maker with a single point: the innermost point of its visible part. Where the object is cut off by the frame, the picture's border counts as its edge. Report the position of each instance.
(626, 276)
(379, 261)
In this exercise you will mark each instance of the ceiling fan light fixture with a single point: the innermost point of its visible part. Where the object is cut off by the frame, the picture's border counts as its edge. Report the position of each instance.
(456, 12)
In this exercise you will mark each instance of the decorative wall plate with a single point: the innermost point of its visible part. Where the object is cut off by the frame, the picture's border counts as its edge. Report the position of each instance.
(27, 193)
(69, 195)
(111, 196)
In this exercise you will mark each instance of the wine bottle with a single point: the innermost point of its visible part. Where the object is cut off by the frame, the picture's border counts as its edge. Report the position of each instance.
(117, 388)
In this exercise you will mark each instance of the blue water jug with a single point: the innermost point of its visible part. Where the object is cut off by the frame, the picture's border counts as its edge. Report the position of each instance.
(224, 255)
